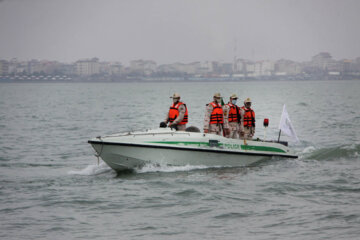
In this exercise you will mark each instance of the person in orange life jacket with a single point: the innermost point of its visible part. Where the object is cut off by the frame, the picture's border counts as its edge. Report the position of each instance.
(233, 117)
(214, 118)
(178, 114)
(249, 120)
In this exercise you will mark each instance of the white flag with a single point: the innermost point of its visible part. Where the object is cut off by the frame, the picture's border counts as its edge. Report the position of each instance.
(286, 126)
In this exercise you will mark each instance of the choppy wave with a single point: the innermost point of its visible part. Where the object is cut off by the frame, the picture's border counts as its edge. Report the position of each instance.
(93, 169)
(345, 151)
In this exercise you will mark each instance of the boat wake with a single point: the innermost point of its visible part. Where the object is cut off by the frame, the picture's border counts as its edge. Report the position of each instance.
(345, 151)
(149, 168)
(93, 169)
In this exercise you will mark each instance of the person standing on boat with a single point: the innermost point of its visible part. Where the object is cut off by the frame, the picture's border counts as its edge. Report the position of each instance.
(214, 117)
(233, 118)
(248, 120)
(177, 116)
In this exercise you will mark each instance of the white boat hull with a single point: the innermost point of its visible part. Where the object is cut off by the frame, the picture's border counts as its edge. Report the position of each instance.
(128, 157)
(134, 150)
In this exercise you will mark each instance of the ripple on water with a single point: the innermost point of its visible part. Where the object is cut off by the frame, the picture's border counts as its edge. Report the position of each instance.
(233, 215)
(188, 193)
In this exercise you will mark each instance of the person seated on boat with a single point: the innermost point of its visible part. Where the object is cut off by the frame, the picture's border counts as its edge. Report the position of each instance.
(177, 117)
(233, 118)
(214, 118)
(248, 120)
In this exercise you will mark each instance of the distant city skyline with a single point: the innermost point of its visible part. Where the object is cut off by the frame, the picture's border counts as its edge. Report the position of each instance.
(321, 66)
(178, 31)
(206, 60)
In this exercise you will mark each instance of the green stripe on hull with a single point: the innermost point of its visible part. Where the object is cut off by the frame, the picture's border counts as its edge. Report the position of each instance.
(262, 148)
(227, 146)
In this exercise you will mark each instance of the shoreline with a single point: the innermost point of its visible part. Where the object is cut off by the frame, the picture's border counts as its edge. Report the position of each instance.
(175, 81)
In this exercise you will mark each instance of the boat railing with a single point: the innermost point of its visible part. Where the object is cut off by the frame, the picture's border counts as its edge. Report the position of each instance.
(147, 134)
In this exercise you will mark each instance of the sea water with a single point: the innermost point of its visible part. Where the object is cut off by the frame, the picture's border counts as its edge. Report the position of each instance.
(52, 187)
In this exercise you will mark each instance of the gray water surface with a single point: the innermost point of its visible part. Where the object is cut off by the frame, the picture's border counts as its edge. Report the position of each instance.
(52, 188)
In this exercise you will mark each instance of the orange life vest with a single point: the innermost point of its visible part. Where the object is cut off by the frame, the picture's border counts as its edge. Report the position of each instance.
(174, 113)
(249, 117)
(216, 116)
(234, 113)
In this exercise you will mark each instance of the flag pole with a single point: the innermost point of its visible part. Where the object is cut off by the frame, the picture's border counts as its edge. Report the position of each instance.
(279, 135)
(264, 134)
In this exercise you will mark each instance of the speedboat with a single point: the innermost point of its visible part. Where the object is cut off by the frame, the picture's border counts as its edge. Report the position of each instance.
(165, 146)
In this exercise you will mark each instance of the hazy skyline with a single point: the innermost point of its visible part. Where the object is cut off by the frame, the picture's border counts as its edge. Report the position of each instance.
(184, 31)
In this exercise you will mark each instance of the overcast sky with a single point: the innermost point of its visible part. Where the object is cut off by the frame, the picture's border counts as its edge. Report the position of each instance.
(170, 31)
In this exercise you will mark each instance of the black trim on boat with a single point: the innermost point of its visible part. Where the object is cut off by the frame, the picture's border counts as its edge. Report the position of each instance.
(192, 149)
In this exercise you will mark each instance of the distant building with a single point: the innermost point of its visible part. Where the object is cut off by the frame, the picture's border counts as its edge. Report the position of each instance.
(105, 68)
(267, 68)
(4, 67)
(250, 68)
(33, 66)
(322, 60)
(21, 68)
(287, 67)
(111, 68)
(12, 65)
(44, 67)
(346, 65)
(257, 70)
(355, 66)
(53, 67)
(179, 67)
(145, 67)
(116, 68)
(240, 66)
(17, 67)
(66, 69)
(205, 68)
(190, 68)
(227, 68)
(87, 67)
(166, 68)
